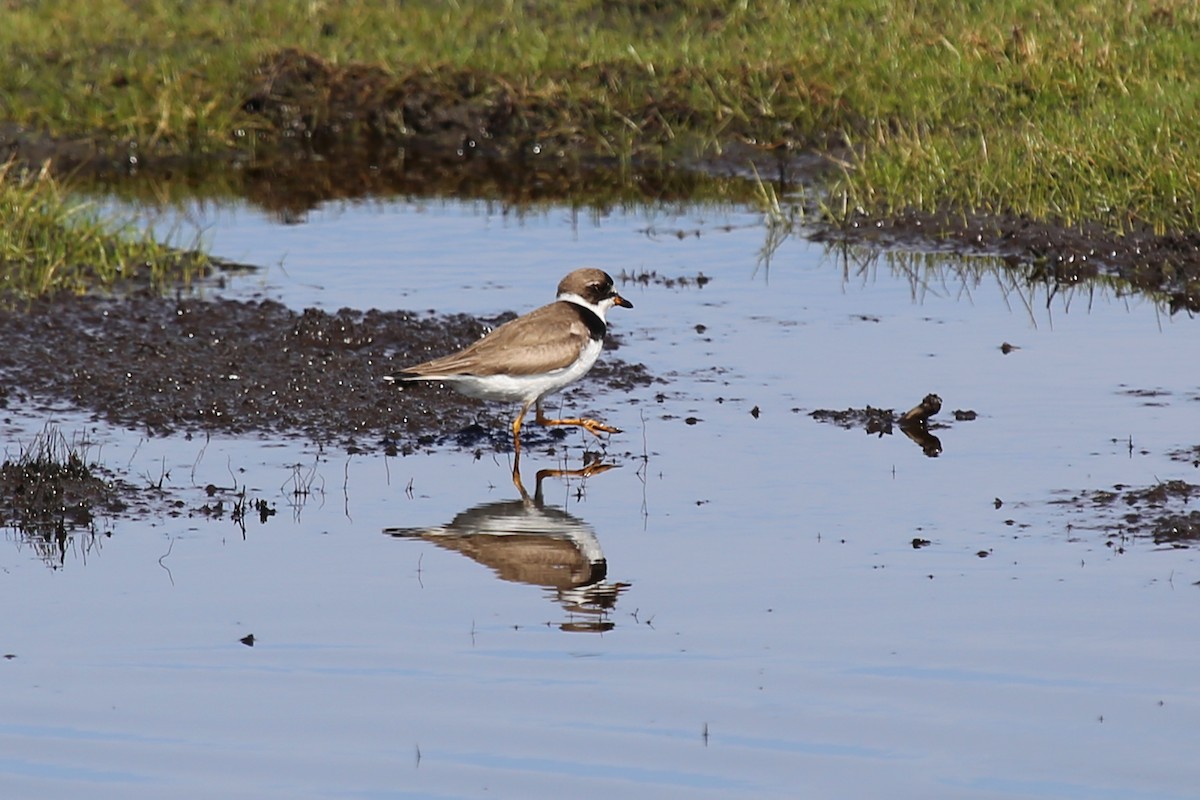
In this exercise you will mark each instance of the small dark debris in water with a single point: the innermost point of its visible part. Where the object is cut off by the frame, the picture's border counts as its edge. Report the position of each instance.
(9, 656)
(645, 278)
(1152, 398)
(1146, 392)
(265, 510)
(983, 553)
(918, 543)
(997, 502)
(247, 640)
(866, 318)
(1007, 348)
(700, 328)
(965, 416)
(754, 412)
(692, 420)
(702, 502)
(1187, 454)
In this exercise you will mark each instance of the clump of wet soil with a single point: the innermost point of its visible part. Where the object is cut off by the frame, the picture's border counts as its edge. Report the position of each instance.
(47, 490)
(53, 494)
(51, 491)
(165, 364)
(916, 423)
(1160, 512)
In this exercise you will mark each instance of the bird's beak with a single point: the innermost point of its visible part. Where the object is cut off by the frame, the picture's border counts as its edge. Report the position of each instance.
(621, 301)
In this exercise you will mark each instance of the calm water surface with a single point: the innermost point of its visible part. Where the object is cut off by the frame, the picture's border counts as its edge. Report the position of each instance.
(735, 610)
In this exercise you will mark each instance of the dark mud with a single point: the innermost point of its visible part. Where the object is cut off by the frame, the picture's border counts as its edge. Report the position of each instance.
(162, 365)
(56, 499)
(460, 117)
(1162, 513)
(1058, 257)
(51, 491)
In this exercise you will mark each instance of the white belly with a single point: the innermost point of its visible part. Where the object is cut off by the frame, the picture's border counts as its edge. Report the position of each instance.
(526, 388)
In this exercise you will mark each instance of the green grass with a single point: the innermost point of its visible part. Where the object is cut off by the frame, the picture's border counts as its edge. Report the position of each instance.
(52, 241)
(1064, 111)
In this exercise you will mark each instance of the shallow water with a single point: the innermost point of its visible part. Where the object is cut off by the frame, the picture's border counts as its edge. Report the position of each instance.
(763, 627)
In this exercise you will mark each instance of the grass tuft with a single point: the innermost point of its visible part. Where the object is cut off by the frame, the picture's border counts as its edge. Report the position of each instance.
(53, 241)
(50, 490)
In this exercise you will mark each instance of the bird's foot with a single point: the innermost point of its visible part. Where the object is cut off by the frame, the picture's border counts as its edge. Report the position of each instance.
(592, 426)
(595, 468)
(596, 427)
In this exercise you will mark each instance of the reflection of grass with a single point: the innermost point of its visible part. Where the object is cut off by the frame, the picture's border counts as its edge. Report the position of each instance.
(1063, 111)
(50, 490)
(51, 241)
(1028, 288)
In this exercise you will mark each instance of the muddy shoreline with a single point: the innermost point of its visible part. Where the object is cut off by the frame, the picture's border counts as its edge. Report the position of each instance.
(324, 131)
(202, 365)
(164, 365)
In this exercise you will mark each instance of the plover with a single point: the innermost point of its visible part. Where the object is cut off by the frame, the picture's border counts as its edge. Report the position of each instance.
(535, 355)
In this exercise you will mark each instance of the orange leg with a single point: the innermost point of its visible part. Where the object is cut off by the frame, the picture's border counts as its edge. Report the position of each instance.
(590, 425)
(594, 468)
(516, 427)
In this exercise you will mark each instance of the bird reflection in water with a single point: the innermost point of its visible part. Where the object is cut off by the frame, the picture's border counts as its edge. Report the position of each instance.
(526, 541)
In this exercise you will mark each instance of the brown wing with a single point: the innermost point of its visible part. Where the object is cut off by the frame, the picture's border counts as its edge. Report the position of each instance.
(542, 340)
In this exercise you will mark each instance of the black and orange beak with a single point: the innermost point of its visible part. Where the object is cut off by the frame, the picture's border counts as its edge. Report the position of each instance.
(621, 301)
